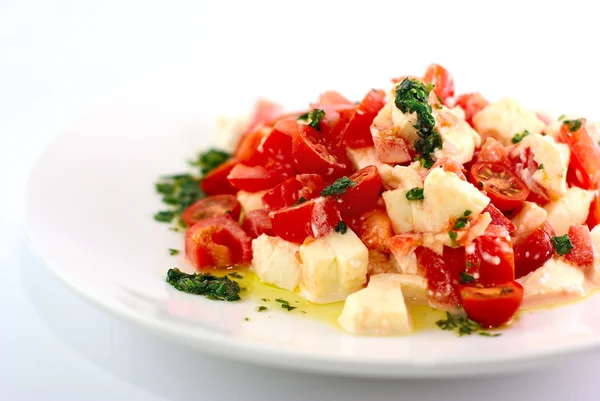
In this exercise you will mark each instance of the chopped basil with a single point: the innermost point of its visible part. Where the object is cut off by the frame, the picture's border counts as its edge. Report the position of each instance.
(338, 187)
(236, 275)
(519, 137)
(173, 252)
(466, 278)
(262, 308)
(562, 245)
(299, 201)
(178, 191)
(415, 194)
(452, 235)
(572, 125)
(285, 304)
(247, 319)
(463, 325)
(164, 216)
(341, 227)
(315, 118)
(541, 166)
(467, 213)
(210, 160)
(303, 117)
(562, 117)
(213, 287)
(460, 222)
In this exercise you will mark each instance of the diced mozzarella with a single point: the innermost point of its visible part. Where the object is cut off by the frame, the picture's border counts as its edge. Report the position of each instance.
(528, 219)
(228, 132)
(399, 210)
(595, 271)
(250, 200)
(571, 209)
(505, 118)
(407, 264)
(401, 176)
(553, 156)
(364, 157)
(333, 267)
(381, 262)
(556, 281)
(274, 261)
(378, 309)
(459, 140)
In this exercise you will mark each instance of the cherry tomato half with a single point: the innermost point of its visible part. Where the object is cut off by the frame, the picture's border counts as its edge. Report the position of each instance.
(442, 273)
(582, 253)
(258, 178)
(357, 133)
(584, 166)
(505, 189)
(363, 195)
(491, 306)
(212, 206)
(257, 222)
(217, 242)
(490, 258)
(313, 218)
(277, 144)
(534, 251)
(441, 79)
(216, 182)
(289, 192)
(311, 155)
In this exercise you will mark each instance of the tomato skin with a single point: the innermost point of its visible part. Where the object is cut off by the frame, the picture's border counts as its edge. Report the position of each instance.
(534, 251)
(442, 273)
(471, 103)
(258, 178)
(490, 258)
(334, 122)
(491, 306)
(584, 166)
(277, 144)
(311, 155)
(287, 193)
(357, 133)
(217, 242)
(493, 151)
(216, 182)
(594, 214)
(257, 222)
(498, 219)
(441, 78)
(313, 218)
(212, 206)
(504, 188)
(582, 253)
(363, 195)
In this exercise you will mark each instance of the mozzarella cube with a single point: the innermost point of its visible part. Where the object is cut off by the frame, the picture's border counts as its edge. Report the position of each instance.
(378, 309)
(407, 264)
(400, 176)
(505, 118)
(571, 209)
(556, 281)
(459, 140)
(363, 157)
(414, 287)
(274, 261)
(399, 210)
(250, 200)
(528, 219)
(333, 267)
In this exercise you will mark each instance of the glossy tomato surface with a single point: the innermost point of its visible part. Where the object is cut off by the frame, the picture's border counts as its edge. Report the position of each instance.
(584, 165)
(363, 195)
(257, 222)
(490, 258)
(212, 206)
(294, 190)
(313, 218)
(357, 133)
(491, 306)
(534, 251)
(582, 253)
(504, 188)
(216, 182)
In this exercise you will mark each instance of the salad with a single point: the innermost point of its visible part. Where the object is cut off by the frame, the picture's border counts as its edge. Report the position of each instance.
(415, 196)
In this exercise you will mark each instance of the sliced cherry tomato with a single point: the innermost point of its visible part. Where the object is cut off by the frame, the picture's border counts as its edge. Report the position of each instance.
(534, 251)
(490, 258)
(247, 151)
(257, 222)
(505, 189)
(443, 274)
(441, 79)
(524, 167)
(584, 167)
(333, 97)
(374, 228)
(311, 155)
(582, 253)
(471, 103)
(212, 206)
(493, 151)
(334, 122)
(594, 214)
(217, 242)
(258, 178)
(277, 144)
(313, 218)
(357, 133)
(289, 192)
(216, 182)
(498, 219)
(363, 195)
(491, 306)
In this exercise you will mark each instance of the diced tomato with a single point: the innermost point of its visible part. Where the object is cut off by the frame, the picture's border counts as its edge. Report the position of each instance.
(357, 133)
(212, 206)
(289, 192)
(504, 188)
(277, 144)
(333, 97)
(375, 229)
(584, 167)
(311, 155)
(490, 258)
(264, 112)
(534, 251)
(247, 151)
(391, 149)
(471, 103)
(257, 222)
(313, 218)
(441, 79)
(525, 166)
(334, 122)
(217, 242)
(216, 182)
(442, 273)
(491, 306)
(582, 253)
(498, 219)
(450, 166)
(593, 218)
(258, 178)
(363, 195)
(493, 151)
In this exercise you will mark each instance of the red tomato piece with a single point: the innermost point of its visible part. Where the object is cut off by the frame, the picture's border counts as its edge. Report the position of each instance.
(491, 306)
(277, 144)
(313, 218)
(534, 251)
(594, 214)
(490, 258)
(212, 206)
(334, 122)
(493, 151)
(443, 274)
(217, 242)
(257, 222)
(307, 186)
(363, 195)
(258, 178)
(311, 155)
(403, 244)
(498, 219)
(504, 188)
(374, 229)
(582, 253)
(216, 182)
(584, 166)
(524, 167)
(332, 97)
(441, 79)
(247, 151)
(392, 149)
(471, 103)
(357, 133)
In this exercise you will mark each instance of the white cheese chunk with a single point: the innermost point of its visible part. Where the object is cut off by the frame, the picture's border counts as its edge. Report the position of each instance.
(333, 267)
(571, 209)
(505, 118)
(459, 140)
(363, 157)
(414, 287)
(529, 218)
(378, 309)
(250, 200)
(400, 176)
(274, 261)
(399, 210)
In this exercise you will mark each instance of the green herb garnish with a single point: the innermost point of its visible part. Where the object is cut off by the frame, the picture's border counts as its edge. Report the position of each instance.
(562, 245)
(338, 187)
(236, 275)
(300, 201)
(212, 287)
(303, 117)
(519, 137)
(262, 308)
(415, 194)
(466, 278)
(541, 166)
(463, 325)
(173, 252)
(210, 160)
(164, 216)
(452, 235)
(247, 319)
(315, 118)
(572, 125)
(488, 334)
(562, 117)
(341, 227)
(265, 299)
(285, 304)
(461, 222)
(178, 191)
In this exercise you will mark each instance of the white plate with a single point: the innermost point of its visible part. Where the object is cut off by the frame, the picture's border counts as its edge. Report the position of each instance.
(88, 214)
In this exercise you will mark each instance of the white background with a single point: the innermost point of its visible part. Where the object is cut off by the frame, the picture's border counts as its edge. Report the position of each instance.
(60, 58)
